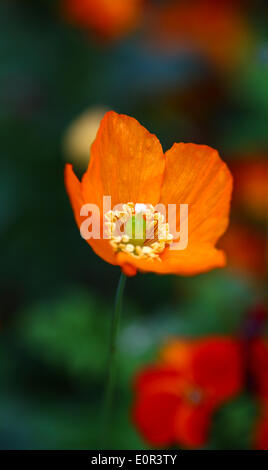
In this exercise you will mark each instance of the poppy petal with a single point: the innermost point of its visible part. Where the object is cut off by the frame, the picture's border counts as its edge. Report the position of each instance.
(195, 175)
(259, 365)
(74, 189)
(127, 162)
(177, 353)
(218, 368)
(191, 424)
(261, 434)
(187, 262)
(158, 378)
(153, 414)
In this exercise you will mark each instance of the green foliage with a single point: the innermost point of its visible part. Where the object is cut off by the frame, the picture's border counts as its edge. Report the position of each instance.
(234, 424)
(71, 334)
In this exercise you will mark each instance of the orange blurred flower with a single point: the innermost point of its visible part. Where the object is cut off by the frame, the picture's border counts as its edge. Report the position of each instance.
(259, 370)
(176, 398)
(251, 187)
(108, 18)
(216, 29)
(245, 249)
(127, 163)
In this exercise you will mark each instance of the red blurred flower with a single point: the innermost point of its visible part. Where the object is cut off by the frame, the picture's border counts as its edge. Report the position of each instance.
(259, 366)
(245, 249)
(251, 187)
(259, 370)
(261, 435)
(176, 398)
(108, 18)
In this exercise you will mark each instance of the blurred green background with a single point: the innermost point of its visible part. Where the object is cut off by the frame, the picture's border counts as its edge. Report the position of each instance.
(56, 294)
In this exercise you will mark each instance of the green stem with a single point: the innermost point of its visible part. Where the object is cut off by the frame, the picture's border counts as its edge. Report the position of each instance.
(110, 383)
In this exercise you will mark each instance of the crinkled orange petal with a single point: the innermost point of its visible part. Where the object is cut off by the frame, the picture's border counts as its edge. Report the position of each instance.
(191, 261)
(74, 189)
(126, 163)
(195, 175)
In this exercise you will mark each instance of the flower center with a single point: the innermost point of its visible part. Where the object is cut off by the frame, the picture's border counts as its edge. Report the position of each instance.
(194, 395)
(139, 230)
(136, 229)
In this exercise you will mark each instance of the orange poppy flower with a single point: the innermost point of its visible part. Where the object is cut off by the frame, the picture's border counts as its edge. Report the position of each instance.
(245, 249)
(108, 18)
(127, 163)
(251, 187)
(175, 399)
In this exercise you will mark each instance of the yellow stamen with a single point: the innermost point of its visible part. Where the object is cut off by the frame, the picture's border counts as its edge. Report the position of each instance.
(144, 233)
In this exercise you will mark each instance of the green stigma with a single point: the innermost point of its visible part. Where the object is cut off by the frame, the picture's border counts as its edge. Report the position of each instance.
(136, 229)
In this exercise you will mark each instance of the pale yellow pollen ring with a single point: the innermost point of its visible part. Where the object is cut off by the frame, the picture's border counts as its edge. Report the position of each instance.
(138, 230)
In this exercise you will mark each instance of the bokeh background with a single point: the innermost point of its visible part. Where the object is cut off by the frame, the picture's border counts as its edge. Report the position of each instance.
(194, 71)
